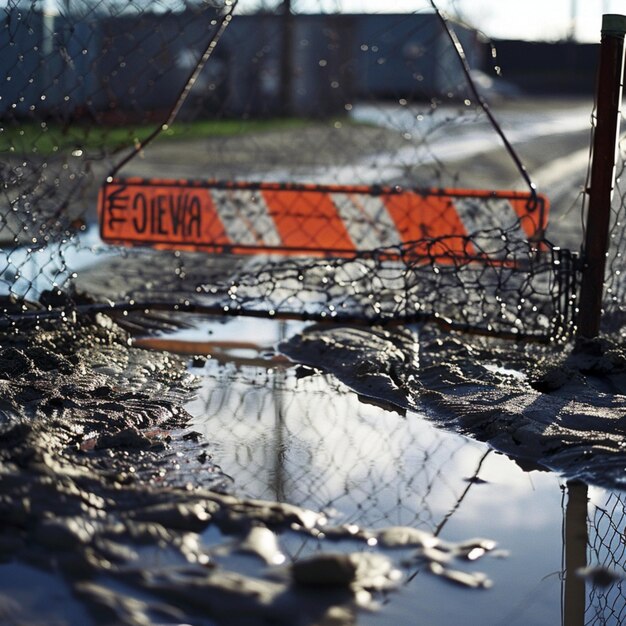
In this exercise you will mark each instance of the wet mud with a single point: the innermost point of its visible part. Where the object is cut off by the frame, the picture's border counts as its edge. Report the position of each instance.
(112, 510)
(553, 407)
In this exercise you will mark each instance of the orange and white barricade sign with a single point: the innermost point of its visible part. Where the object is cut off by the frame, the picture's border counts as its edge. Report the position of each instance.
(328, 220)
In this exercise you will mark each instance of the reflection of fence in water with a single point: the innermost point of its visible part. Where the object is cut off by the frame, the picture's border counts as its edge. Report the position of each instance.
(308, 442)
(606, 604)
(594, 553)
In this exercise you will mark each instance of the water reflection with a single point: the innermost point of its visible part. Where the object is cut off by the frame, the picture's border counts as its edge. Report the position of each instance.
(575, 549)
(309, 441)
(606, 599)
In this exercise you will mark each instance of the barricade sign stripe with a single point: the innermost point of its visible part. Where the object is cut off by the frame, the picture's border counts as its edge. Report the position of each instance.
(252, 218)
(423, 218)
(533, 222)
(246, 217)
(485, 233)
(367, 220)
(308, 220)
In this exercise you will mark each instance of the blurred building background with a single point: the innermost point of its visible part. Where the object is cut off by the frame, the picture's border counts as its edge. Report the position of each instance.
(270, 64)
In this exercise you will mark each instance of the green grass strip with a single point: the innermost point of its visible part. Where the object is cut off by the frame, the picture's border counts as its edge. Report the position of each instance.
(50, 138)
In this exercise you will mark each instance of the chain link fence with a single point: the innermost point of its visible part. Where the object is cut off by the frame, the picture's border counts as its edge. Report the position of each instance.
(368, 113)
(613, 319)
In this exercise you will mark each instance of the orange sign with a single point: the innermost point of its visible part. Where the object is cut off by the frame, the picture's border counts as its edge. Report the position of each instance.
(250, 218)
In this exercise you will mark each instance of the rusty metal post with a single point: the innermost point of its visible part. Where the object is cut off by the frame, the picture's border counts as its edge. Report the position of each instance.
(608, 103)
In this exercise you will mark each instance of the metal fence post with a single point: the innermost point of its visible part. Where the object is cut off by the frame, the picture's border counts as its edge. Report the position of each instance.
(608, 103)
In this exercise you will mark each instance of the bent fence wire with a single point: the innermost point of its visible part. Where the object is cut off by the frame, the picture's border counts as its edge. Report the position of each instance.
(163, 89)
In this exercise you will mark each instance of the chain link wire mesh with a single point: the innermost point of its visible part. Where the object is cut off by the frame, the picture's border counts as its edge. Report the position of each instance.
(614, 307)
(127, 89)
(606, 599)
(281, 440)
(73, 100)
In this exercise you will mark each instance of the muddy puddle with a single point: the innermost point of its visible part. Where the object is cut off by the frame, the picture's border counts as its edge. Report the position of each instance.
(296, 434)
(287, 474)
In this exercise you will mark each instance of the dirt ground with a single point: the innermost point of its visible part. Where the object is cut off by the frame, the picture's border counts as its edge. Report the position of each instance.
(114, 505)
(110, 501)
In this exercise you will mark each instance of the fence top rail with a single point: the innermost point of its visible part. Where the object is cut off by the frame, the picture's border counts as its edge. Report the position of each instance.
(535, 201)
